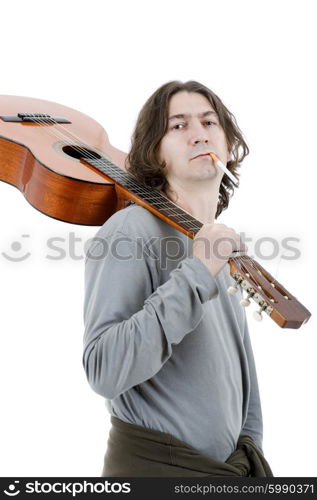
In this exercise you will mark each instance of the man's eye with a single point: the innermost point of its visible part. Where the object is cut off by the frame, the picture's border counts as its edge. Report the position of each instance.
(183, 124)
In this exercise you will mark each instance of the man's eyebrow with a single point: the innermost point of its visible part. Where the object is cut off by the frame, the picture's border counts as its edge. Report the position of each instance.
(184, 115)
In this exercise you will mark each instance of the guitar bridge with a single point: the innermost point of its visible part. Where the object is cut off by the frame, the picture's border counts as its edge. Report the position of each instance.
(40, 118)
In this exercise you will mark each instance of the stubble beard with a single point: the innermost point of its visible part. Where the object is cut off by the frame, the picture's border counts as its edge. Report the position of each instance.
(205, 172)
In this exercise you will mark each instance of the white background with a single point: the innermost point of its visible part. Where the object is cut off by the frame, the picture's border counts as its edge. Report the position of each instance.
(105, 58)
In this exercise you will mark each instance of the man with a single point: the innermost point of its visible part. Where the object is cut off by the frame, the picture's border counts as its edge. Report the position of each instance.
(164, 343)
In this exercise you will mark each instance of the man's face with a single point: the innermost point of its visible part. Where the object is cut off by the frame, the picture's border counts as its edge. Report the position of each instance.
(191, 135)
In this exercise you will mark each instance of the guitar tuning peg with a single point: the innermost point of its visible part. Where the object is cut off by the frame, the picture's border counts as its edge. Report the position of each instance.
(258, 314)
(233, 289)
(246, 302)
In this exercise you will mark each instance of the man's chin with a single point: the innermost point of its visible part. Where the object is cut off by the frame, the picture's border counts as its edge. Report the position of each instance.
(211, 174)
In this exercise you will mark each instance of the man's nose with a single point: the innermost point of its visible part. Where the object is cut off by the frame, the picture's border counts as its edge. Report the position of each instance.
(199, 134)
(197, 141)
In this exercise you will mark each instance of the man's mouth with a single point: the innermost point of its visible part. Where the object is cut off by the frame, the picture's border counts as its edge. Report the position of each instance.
(198, 156)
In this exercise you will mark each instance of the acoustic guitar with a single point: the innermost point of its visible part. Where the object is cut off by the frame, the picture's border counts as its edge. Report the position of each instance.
(63, 163)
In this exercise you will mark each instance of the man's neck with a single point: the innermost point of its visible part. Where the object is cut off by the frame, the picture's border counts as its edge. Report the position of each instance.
(202, 205)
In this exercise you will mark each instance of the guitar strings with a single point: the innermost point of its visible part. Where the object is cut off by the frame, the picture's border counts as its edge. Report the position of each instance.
(87, 154)
(259, 285)
(98, 161)
(61, 135)
(276, 270)
(258, 288)
(70, 135)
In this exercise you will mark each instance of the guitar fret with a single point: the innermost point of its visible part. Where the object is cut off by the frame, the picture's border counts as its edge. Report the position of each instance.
(170, 209)
(174, 214)
(151, 196)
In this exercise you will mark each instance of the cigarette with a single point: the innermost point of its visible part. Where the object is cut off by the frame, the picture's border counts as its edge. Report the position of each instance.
(223, 168)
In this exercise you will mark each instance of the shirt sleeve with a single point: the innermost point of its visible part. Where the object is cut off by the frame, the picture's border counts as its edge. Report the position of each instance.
(131, 326)
(253, 425)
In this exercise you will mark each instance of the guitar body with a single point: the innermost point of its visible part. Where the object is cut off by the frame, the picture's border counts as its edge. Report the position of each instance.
(37, 159)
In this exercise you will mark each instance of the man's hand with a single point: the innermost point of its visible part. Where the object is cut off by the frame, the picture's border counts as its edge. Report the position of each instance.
(214, 243)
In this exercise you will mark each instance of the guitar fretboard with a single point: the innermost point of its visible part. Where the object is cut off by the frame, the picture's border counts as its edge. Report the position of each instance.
(154, 197)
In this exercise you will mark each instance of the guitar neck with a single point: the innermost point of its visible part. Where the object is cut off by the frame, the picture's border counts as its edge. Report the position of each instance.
(149, 198)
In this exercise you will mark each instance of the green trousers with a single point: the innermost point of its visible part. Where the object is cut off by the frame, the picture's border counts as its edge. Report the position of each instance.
(135, 451)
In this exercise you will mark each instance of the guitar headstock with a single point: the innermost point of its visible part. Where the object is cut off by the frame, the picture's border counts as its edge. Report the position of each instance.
(267, 292)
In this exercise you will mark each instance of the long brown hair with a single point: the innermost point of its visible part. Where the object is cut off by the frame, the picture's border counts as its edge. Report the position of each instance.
(152, 123)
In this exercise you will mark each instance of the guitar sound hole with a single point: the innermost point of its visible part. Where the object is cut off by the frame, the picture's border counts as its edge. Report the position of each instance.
(78, 151)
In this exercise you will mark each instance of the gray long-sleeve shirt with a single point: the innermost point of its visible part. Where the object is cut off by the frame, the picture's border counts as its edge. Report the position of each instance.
(164, 343)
